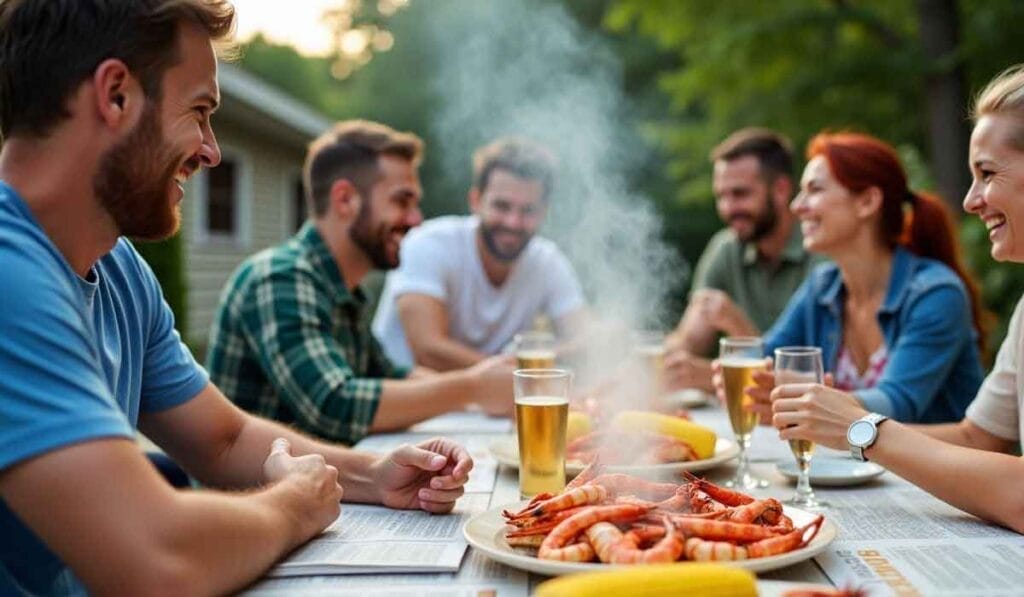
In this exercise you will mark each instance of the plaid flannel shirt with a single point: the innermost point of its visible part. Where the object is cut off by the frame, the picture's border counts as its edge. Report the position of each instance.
(291, 343)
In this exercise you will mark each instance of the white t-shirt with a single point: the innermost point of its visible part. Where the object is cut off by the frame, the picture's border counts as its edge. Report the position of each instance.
(440, 259)
(1001, 396)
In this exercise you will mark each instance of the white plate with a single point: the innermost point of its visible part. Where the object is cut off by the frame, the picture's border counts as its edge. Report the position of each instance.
(486, 531)
(506, 451)
(833, 471)
(688, 398)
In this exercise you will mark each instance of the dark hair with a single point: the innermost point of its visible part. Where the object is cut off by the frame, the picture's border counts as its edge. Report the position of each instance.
(49, 47)
(350, 151)
(916, 220)
(774, 151)
(517, 156)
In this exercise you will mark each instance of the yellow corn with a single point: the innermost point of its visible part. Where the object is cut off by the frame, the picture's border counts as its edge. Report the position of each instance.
(699, 437)
(577, 425)
(682, 579)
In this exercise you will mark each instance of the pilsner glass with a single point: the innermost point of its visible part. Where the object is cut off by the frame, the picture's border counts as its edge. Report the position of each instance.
(801, 364)
(535, 350)
(649, 351)
(542, 410)
(740, 358)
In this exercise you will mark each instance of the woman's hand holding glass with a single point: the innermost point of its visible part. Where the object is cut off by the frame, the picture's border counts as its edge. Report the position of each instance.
(815, 412)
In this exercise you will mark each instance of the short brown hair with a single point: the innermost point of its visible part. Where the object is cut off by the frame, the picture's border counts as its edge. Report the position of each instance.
(523, 158)
(774, 152)
(1004, 95)
(350, 151)
(49, 47)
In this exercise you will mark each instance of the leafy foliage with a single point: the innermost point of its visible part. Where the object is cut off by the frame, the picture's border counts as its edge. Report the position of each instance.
(167, 260)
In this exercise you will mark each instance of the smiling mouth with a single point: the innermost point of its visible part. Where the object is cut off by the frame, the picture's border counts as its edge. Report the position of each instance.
(994, 223)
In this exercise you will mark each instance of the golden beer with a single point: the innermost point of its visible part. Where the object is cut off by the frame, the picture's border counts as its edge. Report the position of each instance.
(802, 449)
(536, 359)
(652, 363)
(540, 425)
(738, 374)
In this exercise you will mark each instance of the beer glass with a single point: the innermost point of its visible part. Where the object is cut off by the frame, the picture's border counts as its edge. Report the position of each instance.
(542, 410)
(800, 364)
(740, 358)
(535, 350)
(649, 352)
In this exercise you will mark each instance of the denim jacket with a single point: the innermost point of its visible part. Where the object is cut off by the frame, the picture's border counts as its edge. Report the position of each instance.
(934, 368)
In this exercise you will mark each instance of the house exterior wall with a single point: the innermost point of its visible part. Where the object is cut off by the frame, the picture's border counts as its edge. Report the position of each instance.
(267, 173)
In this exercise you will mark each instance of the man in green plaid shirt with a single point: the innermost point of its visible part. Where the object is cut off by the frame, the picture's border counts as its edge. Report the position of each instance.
(291, 340)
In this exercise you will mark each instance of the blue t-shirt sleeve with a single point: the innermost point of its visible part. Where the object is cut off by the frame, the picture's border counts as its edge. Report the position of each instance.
(52, 389)
(170, 374)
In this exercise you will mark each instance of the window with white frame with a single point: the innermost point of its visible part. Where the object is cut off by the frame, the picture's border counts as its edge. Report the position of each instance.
(223, 197)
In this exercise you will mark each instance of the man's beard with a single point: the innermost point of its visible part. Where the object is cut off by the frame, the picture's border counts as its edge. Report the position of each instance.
(134, 178)
(488, 233)
(373, 240)
(764, 223)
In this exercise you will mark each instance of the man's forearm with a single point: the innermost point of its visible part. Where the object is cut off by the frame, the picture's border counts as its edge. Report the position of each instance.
(695, 336)
(404, 402)
(228, 542)
(253, 446)
(446, 354)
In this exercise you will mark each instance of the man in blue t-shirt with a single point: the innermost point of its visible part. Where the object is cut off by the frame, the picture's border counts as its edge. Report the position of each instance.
(104, 111)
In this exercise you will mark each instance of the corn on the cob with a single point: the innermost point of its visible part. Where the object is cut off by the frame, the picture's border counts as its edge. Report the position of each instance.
(682, 579)
(700, 438)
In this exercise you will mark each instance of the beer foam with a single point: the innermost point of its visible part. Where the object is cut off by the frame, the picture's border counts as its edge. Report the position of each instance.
(542, 400)
(536, 354)
(735, 361)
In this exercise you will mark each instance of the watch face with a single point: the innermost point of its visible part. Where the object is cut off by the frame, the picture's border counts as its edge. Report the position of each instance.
(860, 433)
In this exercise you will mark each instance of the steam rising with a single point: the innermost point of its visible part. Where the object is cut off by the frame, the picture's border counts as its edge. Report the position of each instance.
(516, 67)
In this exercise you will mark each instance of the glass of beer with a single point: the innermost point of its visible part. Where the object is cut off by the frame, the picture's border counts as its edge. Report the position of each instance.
(535, 350)
(649, 351)
(740, 358)
(542, 410)
(801, 364)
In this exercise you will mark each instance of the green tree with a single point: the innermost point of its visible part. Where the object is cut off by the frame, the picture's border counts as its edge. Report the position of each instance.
(903, 71)
(167, 260)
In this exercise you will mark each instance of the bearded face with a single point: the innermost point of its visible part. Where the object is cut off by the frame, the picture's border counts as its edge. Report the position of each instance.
(135, 180)
(504, 243)
(372, 236)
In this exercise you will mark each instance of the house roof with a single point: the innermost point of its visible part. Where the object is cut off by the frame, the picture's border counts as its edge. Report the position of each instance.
(254, 103)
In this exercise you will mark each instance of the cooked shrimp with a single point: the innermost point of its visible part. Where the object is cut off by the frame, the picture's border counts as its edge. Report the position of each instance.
(553, 547)
(702, 550)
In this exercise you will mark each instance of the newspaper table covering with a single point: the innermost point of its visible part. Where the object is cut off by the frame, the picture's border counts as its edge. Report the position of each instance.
(374, 539)
(907, 542)
(478, 576)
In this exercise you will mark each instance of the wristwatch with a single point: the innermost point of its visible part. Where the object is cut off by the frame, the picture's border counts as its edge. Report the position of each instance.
(862, 433)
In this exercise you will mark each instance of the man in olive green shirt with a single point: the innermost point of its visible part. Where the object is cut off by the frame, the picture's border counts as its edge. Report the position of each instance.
(750, 269)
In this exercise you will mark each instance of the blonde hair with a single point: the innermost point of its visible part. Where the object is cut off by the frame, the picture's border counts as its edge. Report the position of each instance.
(1004, 95)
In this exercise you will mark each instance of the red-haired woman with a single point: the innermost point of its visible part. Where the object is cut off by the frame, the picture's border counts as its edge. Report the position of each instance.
(895, 314)
(972, 464)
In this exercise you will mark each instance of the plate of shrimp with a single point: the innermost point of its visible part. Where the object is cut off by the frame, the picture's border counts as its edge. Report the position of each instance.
(606, 519)
(661, 456)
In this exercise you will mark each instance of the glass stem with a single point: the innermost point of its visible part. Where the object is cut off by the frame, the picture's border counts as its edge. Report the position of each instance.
(803, 483)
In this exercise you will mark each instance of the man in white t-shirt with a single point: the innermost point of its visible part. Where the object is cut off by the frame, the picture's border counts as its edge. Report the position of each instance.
(467, 284)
